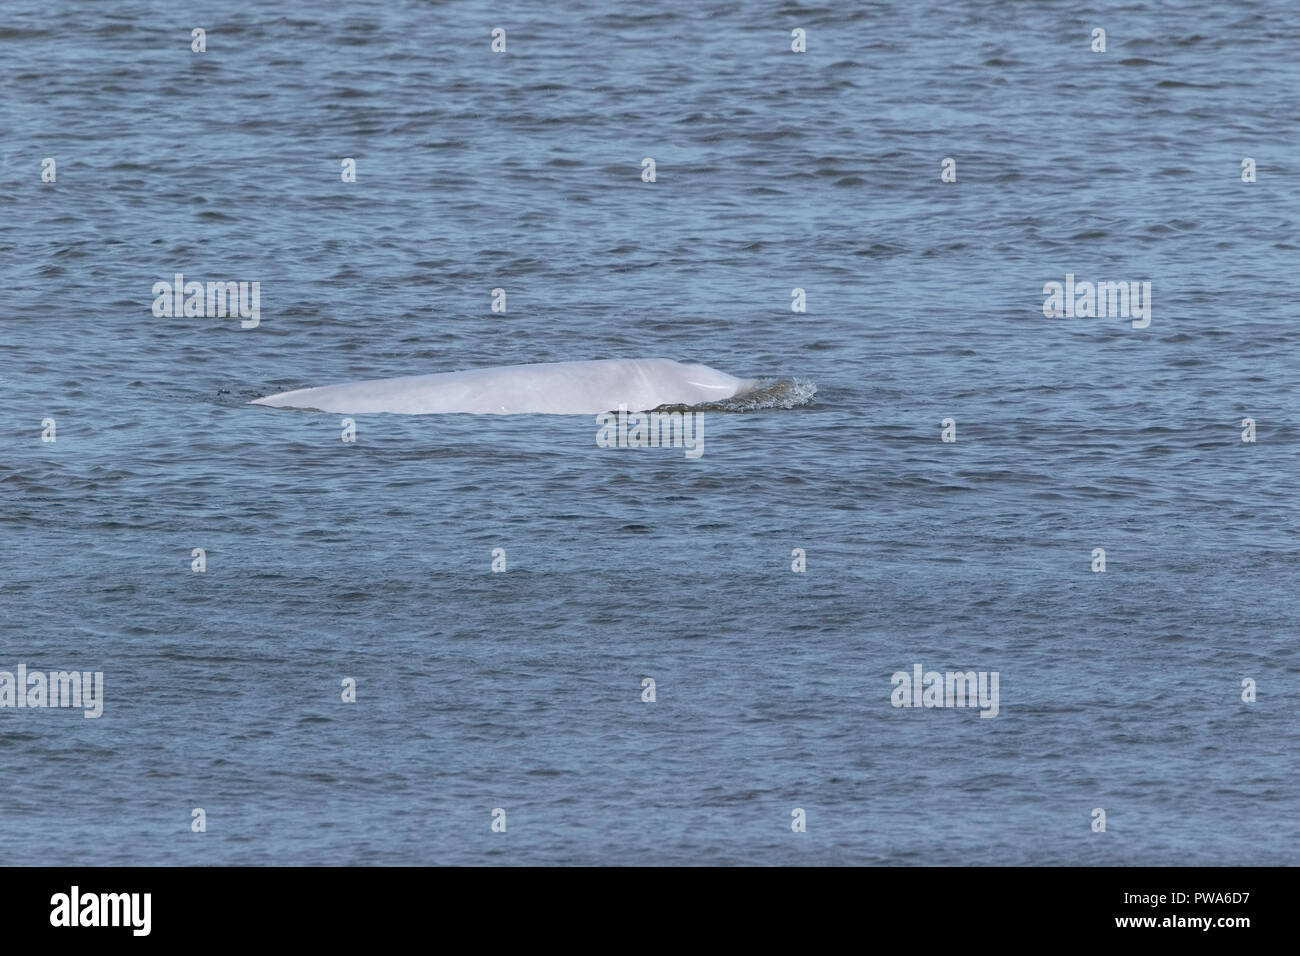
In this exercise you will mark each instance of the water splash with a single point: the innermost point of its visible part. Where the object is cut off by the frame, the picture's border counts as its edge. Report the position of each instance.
(768, 393)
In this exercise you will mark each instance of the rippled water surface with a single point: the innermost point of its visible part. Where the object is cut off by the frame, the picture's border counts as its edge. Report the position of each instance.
(522, 690)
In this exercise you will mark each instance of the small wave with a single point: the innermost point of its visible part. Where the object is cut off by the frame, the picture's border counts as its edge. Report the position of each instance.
(768, 393)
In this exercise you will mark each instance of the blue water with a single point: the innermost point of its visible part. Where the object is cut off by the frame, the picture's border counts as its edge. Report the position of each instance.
(521, 690)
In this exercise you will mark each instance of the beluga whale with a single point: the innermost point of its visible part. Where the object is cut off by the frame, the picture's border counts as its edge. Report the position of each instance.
(553, 388)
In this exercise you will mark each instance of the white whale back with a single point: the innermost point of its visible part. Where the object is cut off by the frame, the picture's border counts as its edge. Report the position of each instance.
(556, 388)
